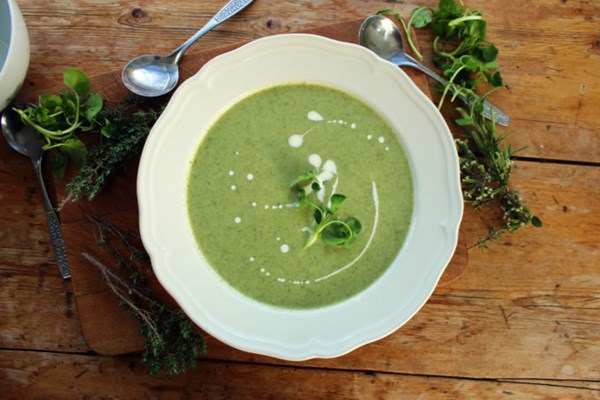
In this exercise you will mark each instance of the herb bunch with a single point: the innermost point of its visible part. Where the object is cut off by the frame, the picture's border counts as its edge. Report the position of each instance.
(332, 230)
(486, 179)
(459, 47)
(60, 117)
(128, 133)
(460, 50)
(172, 342)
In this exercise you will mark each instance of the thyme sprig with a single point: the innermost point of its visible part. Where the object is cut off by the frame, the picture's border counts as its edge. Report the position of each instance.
(485, 179)
(128, 133)
(172, 341)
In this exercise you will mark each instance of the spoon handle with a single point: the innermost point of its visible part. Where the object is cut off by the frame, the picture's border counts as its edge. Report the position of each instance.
(489, 110)
(56, 235)
(229, 10)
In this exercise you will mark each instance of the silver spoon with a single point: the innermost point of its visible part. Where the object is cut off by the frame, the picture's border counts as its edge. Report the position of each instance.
(24, 139)
(155, 75)
(383, 37)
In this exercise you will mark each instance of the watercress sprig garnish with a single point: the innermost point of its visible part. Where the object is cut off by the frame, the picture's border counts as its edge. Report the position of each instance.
(332, 230)
(59, 117)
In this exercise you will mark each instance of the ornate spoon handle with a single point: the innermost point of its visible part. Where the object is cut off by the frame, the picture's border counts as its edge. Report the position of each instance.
(56, 235)
(229, 10)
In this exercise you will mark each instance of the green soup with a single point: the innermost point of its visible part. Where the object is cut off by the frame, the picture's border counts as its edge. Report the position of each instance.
(244, 215)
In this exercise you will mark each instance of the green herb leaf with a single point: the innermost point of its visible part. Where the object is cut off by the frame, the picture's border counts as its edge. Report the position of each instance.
(76, 151)
(50, 102)
(336, 201)
(302, 181)
(336, 233)
(77, 82)
(61, 117)
(59, 162)
(420, 17)
(354, 224)
(93, 105)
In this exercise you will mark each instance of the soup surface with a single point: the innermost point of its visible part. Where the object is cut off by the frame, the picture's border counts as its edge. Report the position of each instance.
(245, 217)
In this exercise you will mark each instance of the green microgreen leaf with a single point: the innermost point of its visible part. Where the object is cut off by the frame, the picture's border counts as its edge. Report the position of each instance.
(420, 17)
(93, 105)
(77, 82)
(331, 230)
(59, 162)
(76, 151)
(60, 117)
(300, 182)
(336, 201)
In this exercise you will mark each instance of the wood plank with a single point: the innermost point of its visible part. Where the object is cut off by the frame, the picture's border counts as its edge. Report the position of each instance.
(552, 104)
(43, 376)
(38, 312)
(526, 308)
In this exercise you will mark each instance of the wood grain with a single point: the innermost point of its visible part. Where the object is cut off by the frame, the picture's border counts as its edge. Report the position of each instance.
(75, 376)
(550, 63)
(520, 323)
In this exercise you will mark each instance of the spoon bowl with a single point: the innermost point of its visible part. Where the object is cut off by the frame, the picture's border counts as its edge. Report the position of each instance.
(21, 137)
(380, 35)
(151, 75)
(155, 75)
(25, 140)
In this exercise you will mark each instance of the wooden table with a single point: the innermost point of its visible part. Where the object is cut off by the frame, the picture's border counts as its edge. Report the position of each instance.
(522, 321)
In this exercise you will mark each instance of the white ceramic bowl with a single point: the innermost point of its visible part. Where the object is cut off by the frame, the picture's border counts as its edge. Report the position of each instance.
(14, 51)
(323, 332)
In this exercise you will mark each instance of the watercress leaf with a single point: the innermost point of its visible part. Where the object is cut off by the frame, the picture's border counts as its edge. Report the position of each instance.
(318, 216)
(488, 67)
(470, 62)
(108, 130)
(69, 107)
(448, 8)
(336, 201)
(77, 82)
(537, 222)
(76, 151)
(302, 197)
(302, 181)
(50, 102)
(354, 225)
(489, 53)
(350, 241)
(336, 233)
(42, 116)
(496, 79)
(421, 17)
(477, 29)
(59, 162)
(93, 105)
